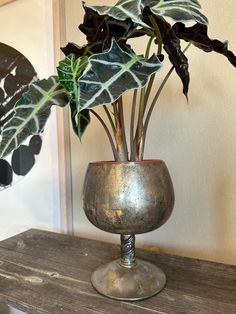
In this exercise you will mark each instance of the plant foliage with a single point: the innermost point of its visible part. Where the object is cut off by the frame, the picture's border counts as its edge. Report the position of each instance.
(31, 113)
(111, 74)
(69, 71)
(102, 70)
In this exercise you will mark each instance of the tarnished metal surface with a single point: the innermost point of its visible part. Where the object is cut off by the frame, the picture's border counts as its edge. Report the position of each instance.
(129, 284)
(127, 250)
(128, 198)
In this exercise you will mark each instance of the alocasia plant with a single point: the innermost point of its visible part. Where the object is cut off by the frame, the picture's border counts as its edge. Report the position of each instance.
(100, 72)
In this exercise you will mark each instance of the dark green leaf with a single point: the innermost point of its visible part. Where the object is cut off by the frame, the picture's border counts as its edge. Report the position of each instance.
(178, 10)
(112, 73)
(69, 71)
(122, 10)
(31, 113)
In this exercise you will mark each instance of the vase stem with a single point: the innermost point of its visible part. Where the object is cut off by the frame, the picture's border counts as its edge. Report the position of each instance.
(128, 250)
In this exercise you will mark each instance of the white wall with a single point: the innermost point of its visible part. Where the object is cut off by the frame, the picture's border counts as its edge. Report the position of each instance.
(197, 141)
(26, 25)
(33, 202)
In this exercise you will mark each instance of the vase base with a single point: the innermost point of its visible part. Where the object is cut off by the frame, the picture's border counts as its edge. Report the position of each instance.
(138, 282)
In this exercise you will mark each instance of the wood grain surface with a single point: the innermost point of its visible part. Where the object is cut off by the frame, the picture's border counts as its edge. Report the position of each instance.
(45, 272)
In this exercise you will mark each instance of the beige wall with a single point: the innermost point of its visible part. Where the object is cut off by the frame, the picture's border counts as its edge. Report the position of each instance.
(197, 141)
(33, 202)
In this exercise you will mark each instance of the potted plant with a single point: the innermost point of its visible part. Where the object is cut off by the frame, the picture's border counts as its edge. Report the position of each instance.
(129, 195)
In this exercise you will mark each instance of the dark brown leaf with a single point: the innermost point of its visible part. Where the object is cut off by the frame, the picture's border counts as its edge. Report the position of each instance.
(171, 44)
(86, 50)
(93, 25)
(99, 31)
(197, 34)
(102, 28)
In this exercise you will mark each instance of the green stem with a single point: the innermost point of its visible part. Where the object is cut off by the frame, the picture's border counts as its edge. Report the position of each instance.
(123, 148)
(139, 128)
(154, 102)
(132, 124)
(115, 113)
(142, 106)
(143, 31)
(149, 88)
(110, 119)
(115, 154)
(148, 47)
(157, 32)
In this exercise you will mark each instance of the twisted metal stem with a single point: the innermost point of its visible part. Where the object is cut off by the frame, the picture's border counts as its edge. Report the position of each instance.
(128, 250)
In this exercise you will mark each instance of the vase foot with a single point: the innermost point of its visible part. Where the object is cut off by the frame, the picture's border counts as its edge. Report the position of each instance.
(134, 283)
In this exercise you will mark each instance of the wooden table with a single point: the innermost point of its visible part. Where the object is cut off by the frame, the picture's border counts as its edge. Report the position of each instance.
(45, 272)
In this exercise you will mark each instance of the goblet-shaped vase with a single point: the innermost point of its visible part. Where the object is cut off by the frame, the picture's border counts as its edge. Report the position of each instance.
(128, 198)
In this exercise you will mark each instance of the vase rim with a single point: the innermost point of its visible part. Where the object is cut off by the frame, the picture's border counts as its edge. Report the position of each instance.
(146, 161)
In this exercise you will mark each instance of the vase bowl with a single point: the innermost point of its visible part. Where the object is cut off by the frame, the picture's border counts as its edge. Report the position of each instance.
(128, 197)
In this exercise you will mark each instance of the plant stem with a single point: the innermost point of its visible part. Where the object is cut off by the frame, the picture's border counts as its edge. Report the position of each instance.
(157, 32)
(137, 142)
(148, 47)
(141, 31)
(110, 119)
(154, 103)
(121, 142)
(149, 88)
(132, 124)
(115, 154)
(150, 83)
(139, 129)
(115, 113)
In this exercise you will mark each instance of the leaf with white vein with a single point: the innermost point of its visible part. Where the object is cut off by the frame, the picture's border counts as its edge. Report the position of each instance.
(111, 74)
(178, 10)
(69, 71)
(31, 113)
(122, 10)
